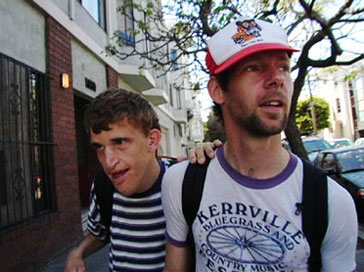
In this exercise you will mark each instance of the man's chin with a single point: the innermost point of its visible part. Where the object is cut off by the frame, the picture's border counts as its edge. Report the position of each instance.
(263, 127)
(266, 131)
(122, 189)
(269, 128)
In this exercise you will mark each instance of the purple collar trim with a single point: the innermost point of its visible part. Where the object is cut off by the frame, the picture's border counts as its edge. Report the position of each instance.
(252, 182)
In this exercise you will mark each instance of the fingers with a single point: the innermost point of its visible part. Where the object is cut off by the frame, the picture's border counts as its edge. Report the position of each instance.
(199, 153)
(217, 143)
(192, 155)
(201, 148)
(75, 269)
(181, 158)
(75, 264)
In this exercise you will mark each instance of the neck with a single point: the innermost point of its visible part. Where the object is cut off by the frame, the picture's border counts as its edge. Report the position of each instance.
(256, 157)
(152, 175)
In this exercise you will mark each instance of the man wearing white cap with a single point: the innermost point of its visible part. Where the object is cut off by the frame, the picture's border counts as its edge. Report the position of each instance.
(250, 214)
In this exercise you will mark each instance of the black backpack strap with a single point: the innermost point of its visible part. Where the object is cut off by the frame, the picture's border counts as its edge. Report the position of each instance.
(314, 211)
(192, 188)
(104, 190)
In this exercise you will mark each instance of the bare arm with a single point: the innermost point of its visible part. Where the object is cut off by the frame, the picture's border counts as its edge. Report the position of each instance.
(177, 258)
(88, 246)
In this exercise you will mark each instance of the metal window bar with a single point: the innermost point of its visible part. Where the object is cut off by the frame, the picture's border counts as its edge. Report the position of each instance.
(26, 147)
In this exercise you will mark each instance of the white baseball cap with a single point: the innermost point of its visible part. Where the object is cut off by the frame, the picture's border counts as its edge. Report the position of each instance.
(241, 39)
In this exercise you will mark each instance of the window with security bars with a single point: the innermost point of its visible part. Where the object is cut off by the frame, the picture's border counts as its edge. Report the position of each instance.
(26, 161)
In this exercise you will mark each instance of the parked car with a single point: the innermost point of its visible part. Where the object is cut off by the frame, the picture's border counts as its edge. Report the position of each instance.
(340, 142)
(346, 166)
(312, 144)
(359, 141)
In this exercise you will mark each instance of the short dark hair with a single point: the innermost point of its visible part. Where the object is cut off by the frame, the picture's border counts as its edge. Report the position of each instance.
(115, 105)
(223, 80)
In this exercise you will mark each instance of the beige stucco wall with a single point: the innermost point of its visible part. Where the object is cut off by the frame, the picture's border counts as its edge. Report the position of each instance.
(28, 45)
(86, 64)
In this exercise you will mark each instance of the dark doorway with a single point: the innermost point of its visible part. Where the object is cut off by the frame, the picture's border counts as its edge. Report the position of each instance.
(88, 165)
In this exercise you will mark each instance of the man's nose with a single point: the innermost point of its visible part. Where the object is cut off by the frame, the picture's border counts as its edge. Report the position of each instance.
(111, 158)
(275, 78)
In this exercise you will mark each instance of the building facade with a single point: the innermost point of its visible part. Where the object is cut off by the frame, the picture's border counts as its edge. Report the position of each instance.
(52, 62)
(343, 89)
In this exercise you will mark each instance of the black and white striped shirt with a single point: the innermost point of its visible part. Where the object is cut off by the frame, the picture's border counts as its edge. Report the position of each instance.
(137, 232)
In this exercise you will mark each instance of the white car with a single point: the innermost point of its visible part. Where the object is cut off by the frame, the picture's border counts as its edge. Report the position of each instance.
(359, 141)
(336, 143)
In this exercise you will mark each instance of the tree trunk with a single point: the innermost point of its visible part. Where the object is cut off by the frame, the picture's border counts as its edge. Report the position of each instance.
(294, 139)
(291, 131)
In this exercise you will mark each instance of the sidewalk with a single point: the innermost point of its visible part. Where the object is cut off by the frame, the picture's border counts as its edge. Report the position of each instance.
(97, 262)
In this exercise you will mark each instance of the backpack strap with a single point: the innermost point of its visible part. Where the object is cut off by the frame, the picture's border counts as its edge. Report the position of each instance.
(314, 211)
(104, 190)
(192, 188)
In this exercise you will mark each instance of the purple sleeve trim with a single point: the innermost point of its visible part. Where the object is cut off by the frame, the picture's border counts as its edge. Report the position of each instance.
(175, 242)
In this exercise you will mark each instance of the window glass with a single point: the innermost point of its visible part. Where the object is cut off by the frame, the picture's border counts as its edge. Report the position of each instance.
(25, 143)
(179, 98)
(351, 160)
(316, 145)
(174, 59)
(126, 23)
(338, 107)
(170, 95)
(148, 45)
(96, 9)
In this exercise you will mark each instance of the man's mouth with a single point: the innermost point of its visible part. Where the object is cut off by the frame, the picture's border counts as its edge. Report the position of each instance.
(272, 103)
(118, 176)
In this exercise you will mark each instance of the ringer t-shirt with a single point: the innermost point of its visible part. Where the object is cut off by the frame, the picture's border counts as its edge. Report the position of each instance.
(137, 232)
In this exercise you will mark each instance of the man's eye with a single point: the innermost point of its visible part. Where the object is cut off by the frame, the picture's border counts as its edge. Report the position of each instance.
(97, 146)
(252, 68)
(119, 141)
(285, 68)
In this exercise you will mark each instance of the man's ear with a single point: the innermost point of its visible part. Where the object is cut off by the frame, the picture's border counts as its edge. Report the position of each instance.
(215, 91)
(155, 137)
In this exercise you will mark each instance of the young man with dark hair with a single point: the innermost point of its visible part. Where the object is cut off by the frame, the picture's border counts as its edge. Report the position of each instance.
(250, 213)
(125, 132)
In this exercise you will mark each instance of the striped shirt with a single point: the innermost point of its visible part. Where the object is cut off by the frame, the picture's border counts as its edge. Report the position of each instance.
(137, 232)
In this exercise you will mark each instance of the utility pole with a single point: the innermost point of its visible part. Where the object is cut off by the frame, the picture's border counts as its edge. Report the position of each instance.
(313, 108)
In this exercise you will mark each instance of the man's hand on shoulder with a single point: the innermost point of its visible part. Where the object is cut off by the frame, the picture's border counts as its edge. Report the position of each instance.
(201, 150)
